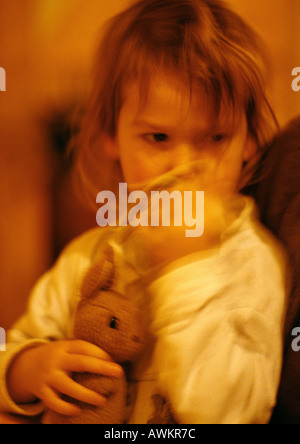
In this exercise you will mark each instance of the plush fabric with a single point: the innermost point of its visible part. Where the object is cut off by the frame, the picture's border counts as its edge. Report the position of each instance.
(115, 324)
(278, 197)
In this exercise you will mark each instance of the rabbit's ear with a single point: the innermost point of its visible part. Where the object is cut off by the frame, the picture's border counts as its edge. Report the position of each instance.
(100, 276)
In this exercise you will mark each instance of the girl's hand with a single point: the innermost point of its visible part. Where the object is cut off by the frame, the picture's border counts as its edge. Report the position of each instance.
(44, 373)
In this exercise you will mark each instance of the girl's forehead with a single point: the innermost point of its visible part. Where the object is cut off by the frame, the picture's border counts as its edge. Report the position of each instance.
(165, 92)
(172, 98)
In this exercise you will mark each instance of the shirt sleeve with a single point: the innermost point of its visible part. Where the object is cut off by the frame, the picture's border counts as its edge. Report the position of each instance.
(49, 313)
(219, 328)
(228, 374)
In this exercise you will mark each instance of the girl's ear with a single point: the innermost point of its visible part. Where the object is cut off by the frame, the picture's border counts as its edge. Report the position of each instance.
(110, 146)
(249, 154)
(100, 276)
(250, 148)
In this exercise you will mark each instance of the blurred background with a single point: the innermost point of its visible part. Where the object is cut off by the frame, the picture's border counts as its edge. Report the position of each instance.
(46, 48)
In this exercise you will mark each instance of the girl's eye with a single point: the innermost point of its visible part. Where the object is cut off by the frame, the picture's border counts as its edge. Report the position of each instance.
(217, 138)
(114, 323)
(157, 137)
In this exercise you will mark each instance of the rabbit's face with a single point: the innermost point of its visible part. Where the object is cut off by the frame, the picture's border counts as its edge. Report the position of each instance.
(113, 323)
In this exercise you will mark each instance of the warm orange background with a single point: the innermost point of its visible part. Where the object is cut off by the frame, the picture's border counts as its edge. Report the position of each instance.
(46, 48)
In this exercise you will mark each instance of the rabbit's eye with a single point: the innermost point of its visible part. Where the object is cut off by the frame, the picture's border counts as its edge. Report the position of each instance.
(114, 323)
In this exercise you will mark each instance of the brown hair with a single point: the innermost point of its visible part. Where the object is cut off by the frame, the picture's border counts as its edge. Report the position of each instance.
(201, 39)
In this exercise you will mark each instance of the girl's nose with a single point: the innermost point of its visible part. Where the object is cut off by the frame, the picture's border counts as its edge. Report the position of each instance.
(185, 153)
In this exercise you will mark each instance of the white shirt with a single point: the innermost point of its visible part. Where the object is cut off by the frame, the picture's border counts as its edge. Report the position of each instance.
(216, 321)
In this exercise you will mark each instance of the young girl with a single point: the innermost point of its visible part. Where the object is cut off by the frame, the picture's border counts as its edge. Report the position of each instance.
(178, 101)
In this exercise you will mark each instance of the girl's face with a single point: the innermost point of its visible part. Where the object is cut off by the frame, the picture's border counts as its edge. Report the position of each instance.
(170, 129)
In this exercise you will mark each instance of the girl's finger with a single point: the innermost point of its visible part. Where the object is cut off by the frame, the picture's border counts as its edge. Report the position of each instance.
(52, 400)
(80, 347)
(88, 364)
(76, 391)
